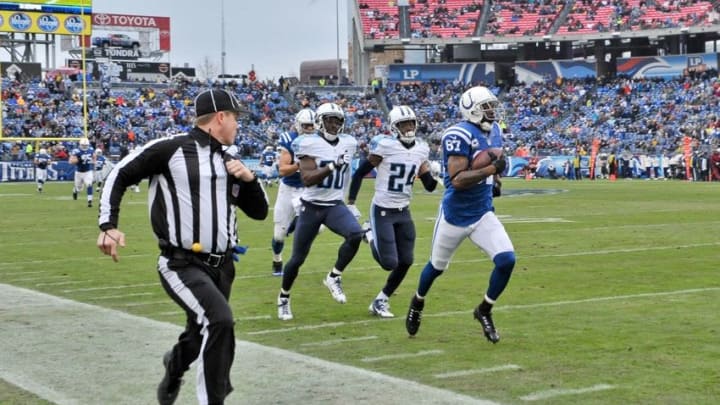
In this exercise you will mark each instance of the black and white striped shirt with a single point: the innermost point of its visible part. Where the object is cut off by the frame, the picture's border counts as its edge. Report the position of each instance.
(191, 196)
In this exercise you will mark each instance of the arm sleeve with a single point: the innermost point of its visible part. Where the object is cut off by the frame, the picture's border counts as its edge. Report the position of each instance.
(364, 168)
(250, 197)
(130, 170)
(428, 181)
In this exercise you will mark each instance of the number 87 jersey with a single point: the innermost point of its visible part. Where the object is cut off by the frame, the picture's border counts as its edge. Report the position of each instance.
(397, 170)
(332, 188)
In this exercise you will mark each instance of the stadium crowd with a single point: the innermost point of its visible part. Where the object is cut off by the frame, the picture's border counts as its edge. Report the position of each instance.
(628, 116)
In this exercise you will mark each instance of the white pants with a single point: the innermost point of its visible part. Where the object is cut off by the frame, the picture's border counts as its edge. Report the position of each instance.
(285, 210)
(487, 233)
(83, 180)
(40, 175)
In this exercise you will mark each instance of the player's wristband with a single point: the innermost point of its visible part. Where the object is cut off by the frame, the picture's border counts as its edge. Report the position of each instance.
(331, 166)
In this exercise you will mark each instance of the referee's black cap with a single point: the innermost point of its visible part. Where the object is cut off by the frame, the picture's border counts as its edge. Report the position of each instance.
(215, 100)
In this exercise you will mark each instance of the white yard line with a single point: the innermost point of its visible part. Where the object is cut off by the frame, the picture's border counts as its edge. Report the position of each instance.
(65, 283)
(399, 356)
(114, 297)
(72, 353)
(487, 370)
(547, 394)
(338, 341)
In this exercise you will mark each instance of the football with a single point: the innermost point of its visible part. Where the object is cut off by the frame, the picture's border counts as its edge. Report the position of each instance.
(483, 159)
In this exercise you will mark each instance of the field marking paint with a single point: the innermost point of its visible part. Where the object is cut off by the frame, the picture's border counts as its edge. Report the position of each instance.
(496, 308)
(40, 278)
(67, 259)
(142, 304)
(306, 327)
(22, 273)
(402, 356)
(253, 318)
(112, 297)
(336, 341)
(65, 283)
(547, 394)
(112, 287)
(463, 373)
(116, 356)
(169, 313)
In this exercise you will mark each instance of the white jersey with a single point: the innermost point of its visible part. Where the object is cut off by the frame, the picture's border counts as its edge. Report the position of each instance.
(331, 190)
(397, 170)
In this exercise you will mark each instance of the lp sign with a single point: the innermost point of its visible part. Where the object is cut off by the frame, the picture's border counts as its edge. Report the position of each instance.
(411, 74)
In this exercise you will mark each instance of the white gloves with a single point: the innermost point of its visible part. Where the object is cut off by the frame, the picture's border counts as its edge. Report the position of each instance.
(355, 211)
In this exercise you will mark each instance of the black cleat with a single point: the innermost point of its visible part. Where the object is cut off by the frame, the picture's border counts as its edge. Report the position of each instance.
(488, 326)
(169, 388)
(74, 195)
(412, 322)
(89, 204)
(277, 268)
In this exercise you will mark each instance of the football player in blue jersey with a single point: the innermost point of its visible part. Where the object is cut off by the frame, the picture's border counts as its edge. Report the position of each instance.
(267, 164)
(100, 172)
(399, 159)
(291, 185)
(325, 159)
(42, 160)
(84, 160)
(466, 210)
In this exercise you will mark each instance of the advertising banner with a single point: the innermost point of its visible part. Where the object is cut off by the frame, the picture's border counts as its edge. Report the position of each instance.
(463, 72)
(666, 67)
(44, 23)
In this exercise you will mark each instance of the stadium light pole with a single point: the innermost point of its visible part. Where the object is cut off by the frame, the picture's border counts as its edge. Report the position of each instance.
(337, 38)
(222, 37)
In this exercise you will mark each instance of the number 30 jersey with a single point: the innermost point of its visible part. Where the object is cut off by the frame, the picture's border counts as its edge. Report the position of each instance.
(331, 190)
(397, 170)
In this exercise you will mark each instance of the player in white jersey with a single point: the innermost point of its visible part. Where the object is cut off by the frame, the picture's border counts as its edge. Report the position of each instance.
(42, 160)
(84, 160)
(325, 159)
(291, 186)
(398, 160)
(467, 211)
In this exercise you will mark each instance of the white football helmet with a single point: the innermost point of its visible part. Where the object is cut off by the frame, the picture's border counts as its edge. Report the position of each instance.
(326, 111)
(84, 144)
(98, 152)
(400, 114)
(43, 151)
(305, 117)
(480, 106)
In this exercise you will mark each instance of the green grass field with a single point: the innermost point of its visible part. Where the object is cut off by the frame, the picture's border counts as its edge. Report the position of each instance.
(614, 299)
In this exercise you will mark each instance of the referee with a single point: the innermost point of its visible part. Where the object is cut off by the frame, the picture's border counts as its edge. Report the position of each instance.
(195, 185)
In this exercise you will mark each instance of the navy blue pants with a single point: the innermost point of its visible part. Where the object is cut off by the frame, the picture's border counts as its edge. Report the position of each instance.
(394, 242)
(338, 219)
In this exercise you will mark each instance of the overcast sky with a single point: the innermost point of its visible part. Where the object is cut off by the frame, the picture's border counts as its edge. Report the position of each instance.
(273, 35)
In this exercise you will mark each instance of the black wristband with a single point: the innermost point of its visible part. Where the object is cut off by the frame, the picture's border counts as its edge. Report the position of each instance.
(107, 226)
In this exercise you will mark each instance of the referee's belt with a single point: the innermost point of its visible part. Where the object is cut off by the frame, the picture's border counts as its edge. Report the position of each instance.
(210, 259)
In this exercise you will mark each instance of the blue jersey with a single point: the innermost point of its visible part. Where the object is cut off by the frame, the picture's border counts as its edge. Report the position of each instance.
(464, 207)
(42, 160)
(286, 139)
(267, 158)
(85, 159)
(99, 163)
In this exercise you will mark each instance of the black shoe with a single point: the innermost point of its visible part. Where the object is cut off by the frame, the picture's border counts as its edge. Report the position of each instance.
(74, 195)
(412, 322)
(169, 388)
(89, 204)
(488, 326)
(277, 268)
